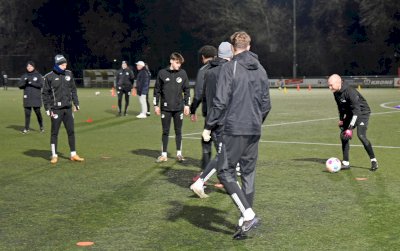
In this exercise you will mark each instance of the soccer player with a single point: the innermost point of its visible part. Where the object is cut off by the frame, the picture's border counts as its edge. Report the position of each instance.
(32, 82)
(4, 80)
(225, 54)
(59, 92)
(353, 112)
(124, 85)
(207, 53)
(169, 102)
(241, 104)
(142, 87)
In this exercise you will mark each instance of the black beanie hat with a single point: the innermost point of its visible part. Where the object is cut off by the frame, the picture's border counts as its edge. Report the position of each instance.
(59, 59)
(30, 62)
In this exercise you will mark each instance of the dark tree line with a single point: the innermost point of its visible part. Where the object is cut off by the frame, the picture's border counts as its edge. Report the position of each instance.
(353, 37)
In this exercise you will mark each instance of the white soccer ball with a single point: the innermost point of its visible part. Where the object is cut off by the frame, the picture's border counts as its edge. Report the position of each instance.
(97, 93)
(333, 165)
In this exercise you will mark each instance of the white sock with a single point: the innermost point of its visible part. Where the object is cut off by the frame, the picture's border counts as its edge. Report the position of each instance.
(241, 219)
(199, 182)
(73, 153)
(374, 159)
(346, 163)
(164, 154)
(248, 214)
(178, 152)
(53, 150)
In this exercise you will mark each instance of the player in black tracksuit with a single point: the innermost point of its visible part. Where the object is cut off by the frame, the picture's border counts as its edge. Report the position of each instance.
(169, 102)
(354, 113)
(59, 92)
(241, 105)
(32, 82)
(211, 75)
(207, 53)
(124, 84)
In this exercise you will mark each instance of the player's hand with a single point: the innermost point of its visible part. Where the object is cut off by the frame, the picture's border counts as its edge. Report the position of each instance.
(186, 110)
(157, 110)
(347, 134)
(340, 123)
(193, 117)
(76, 108)
(206, 135)
(48, 113)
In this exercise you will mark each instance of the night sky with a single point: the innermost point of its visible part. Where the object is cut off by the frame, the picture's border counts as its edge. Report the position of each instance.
(344, 36)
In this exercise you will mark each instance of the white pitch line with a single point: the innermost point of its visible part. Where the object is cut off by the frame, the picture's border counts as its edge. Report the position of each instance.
(296, 122)
(384, 105)
(309, 143)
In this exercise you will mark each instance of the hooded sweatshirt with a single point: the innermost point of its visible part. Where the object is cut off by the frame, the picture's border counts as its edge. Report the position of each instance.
(242, 100)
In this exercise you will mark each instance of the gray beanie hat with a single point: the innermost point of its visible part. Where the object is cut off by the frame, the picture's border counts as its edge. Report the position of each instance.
(59, 59)
(225, 50)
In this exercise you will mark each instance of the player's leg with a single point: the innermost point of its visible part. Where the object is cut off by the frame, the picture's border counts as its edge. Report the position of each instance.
(362, 128)
(143, 106)
(233, 147)
(56, 120)
(148, 105)
(166, 124)
(27, 111)
(178, 122)
(69, 125)
(127, 96)
(119, 94)
(345, 145)
(248, 168)
(39, 117)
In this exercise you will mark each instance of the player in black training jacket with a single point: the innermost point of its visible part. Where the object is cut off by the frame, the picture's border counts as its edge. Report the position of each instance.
(171, 101)
(353, 112)
(59, 92)
(124, 85)
(32, 82)
(241, 104)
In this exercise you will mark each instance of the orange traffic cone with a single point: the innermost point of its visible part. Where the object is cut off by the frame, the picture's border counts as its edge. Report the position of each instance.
(309, 87)
(298, 87)
(113, 91)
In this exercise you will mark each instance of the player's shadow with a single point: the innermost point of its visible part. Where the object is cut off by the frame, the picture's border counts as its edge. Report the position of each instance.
(203, 217)
(44, 154)
(16, 127)
(146, 152)
(179, 177)
(316, 160)
(323, 161)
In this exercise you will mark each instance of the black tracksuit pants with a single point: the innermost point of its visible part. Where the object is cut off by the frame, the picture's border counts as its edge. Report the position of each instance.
(244, 150)
(39, 117)
(66, 117)
(362, 127)
(120, 94)
(166, 117)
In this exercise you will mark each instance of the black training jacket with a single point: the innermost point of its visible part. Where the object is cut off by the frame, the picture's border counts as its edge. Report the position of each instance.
(125, 79)
(242, 100)
(59, 90)
(351, 104)
(198, 91)
(143, 81)
(210, 83)
(32, 83)
(168, 90)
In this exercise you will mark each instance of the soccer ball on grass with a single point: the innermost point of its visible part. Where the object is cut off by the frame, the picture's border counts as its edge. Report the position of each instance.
(333, 165)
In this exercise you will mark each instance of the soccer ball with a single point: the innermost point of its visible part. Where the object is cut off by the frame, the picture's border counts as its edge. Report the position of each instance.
(333, 165)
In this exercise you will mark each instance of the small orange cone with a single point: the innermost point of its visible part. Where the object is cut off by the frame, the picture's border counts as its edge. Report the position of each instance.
(113, 91)
(298, 87)
(309, 87)
(89, 120)
(114, 107)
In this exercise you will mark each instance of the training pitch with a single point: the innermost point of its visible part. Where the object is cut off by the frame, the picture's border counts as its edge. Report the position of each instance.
(120, 199)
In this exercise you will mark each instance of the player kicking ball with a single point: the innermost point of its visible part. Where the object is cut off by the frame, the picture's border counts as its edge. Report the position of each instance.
(354, 113)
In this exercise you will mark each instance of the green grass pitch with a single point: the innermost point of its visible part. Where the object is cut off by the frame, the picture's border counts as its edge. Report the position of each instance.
(120, 199)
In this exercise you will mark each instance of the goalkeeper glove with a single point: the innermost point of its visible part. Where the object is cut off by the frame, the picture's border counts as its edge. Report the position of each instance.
(347, 134)
(206, 135)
